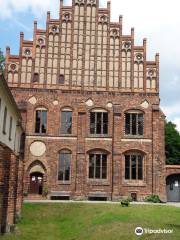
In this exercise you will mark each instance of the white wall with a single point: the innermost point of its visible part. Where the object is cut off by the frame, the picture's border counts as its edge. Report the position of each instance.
(5, 99)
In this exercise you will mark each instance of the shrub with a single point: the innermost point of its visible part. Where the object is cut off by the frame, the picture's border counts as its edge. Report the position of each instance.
(45, 191)
(153, 198)
(125, 202)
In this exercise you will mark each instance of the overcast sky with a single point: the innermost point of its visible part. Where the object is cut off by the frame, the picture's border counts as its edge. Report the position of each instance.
(157, 20)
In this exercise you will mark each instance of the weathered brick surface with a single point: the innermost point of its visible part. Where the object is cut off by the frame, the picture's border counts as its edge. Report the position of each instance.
(81, 142)
(9, 182)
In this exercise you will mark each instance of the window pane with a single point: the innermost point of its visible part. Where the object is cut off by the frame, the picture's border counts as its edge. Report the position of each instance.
(127, 167)
(92, 123)
(105, 123)
(140, 124)
(104, 166)
(66, 122)
(44, 121)
(38, 121)
(133, 166)
(91, 165)
(99, 123)
(134, 124)
(67, 166)
(98, 165)
(140, 167)
(127, 123)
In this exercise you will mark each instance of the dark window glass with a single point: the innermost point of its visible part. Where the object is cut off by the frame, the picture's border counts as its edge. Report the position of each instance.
(140, 167)
(99, 123)
(66, 122)
(98, 166)
(64, 166)
(36, 77)
(134, 124)
(134, 167)
(61, 79)
(10, 128)
(127, 167)
(5, 120)
(41, 121)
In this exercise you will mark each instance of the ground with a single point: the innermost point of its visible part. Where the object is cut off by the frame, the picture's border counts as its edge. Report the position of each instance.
(80, 221)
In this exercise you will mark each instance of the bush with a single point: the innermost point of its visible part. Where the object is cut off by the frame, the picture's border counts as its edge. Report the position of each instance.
(45, 191)
(153, 198)
(125, 202)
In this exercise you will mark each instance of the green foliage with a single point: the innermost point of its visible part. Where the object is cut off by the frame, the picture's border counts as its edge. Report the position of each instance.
(125, 202)
(172, 143)
(153, 198)
(45, 191)
(2, 61)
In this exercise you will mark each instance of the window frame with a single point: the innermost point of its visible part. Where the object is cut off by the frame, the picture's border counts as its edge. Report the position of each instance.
(10, 127)
(64, 152)
(137, 168)
(138, 124)
(103, 125)
(42, 109)
(101, 154)
(66, 110)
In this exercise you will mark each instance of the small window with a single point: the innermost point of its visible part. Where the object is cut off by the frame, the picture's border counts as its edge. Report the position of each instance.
(10, 128)
(61, 79)
(134, 196)
(98, 166)
(64, 166)
(36, 77)
(98, 123)
(134, 124)
(66, 122)
(134, 167)
(5, 120)
(41, 121)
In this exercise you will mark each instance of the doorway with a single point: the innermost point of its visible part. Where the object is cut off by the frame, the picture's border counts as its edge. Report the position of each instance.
(173, 188)
(36, 183)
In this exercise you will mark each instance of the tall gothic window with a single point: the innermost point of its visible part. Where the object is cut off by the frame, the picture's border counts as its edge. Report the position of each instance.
(41, 121)
(66, 122)
(98, 122)
(134, 123)
(97, 166)
(64, 165)
(134, 166)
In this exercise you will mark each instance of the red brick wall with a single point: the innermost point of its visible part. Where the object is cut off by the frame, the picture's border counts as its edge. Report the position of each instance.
(116, 143)
(9, 170)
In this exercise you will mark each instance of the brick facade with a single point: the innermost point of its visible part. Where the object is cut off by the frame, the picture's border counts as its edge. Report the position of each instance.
(83, 62)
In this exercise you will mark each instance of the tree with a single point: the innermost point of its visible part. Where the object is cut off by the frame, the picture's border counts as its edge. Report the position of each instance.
(172, 144)
(2, 61)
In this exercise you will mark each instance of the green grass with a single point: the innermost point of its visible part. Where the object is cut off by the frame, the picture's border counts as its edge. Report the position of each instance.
(78, 221)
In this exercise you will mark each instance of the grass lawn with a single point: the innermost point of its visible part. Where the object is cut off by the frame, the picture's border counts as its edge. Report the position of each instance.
(78, 221)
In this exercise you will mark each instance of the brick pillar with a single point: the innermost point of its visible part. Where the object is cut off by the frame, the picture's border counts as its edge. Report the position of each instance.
(80, 161)
(19, 197)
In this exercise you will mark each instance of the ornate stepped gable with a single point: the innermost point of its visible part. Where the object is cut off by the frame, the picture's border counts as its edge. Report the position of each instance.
(83, 50)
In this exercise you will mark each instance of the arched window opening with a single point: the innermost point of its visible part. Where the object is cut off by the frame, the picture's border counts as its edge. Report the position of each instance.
(98, 122)
(64, 167)
(41, 121)
(97, 166)
(134, 166)
(66, 121)
(134, 123)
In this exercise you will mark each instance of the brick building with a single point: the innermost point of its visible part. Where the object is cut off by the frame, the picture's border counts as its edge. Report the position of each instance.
(90, 104)
(11, 164)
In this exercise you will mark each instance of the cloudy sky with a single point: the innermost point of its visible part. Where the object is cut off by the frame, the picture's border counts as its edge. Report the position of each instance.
(158, 21)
